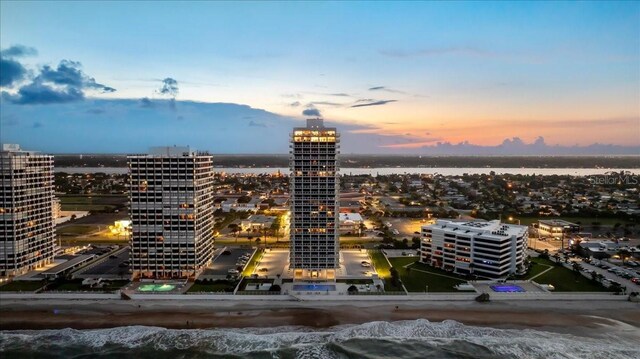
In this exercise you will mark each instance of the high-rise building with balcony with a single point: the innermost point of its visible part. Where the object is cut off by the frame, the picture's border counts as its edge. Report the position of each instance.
(485, 249)
(27, 234)
(314, 187)
(171, 194)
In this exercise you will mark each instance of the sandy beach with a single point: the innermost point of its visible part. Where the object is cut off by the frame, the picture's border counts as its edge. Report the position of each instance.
(583, 318)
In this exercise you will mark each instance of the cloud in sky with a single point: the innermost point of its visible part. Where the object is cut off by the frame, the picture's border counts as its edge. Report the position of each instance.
(374, 103)
(509, 146)
(253, 123)
(10, 69)
(225, 128)
(386, 89)
(64, 83)
(169, 87)
(311, 112)
(40, 93)
(324, 103)
(146, 102)
(18, 51)
(68, 73)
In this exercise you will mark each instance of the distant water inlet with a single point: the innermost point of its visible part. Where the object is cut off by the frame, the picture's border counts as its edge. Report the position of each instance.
(392, 170)
(415, 339)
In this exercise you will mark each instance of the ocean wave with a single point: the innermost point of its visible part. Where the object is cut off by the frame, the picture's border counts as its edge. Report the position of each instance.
(402, 339)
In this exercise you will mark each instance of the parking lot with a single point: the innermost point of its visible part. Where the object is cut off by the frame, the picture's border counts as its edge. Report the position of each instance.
(406, 227)
(224, 262)
(351, 265)
(113, 267)
(607, 273)
(273, 262)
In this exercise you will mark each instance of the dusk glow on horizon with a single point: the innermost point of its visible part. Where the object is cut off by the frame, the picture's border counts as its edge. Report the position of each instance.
(396, 77)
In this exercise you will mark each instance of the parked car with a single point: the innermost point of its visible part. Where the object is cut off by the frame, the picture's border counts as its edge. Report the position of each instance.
(233, 271)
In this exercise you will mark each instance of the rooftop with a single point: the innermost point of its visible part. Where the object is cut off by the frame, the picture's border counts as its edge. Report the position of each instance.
(556, 222)
(494, 227)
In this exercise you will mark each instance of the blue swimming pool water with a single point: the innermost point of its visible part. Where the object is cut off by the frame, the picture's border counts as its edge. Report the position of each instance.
(314, 287)
(507, 288)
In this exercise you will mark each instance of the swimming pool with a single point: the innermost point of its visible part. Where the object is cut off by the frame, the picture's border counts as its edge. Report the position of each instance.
(507, 288)
(156, 287)
(314, 287)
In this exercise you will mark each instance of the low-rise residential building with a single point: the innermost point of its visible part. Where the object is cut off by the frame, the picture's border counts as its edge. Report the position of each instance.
(486, 249)
(556, 227)
(350, 223)
(257, 222)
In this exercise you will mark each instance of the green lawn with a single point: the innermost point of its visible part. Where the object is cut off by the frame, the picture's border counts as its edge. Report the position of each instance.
(251, 266)
(77, 229)
(22, 286)
(91, 203)
(537, 266)
(379, 262)
(86, 207)
(75, 285)
(566, 280)
(216, 286)
(355, 281)
(415, 279)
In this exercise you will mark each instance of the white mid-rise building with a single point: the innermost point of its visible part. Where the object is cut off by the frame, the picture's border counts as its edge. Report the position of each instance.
(27, 234)
(486, 249)
(314, 249)
(171, 193)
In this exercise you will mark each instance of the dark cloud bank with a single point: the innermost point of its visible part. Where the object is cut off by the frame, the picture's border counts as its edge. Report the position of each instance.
(47, 85)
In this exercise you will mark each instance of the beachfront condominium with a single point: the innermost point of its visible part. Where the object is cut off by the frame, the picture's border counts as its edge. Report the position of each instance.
(27, 234)
(484, 249)
(171, 192)
(314, 247)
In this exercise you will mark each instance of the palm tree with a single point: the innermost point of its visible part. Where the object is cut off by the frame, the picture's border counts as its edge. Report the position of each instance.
(577, 267)
(624, 254)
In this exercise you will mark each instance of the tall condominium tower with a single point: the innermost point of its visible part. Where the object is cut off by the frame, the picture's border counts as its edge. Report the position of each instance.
(171, 212)
(314, 250)
(27, 236)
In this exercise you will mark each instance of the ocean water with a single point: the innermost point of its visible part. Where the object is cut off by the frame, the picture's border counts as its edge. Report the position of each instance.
(403, 339)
